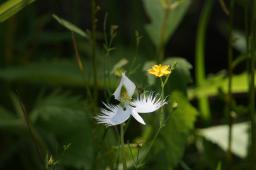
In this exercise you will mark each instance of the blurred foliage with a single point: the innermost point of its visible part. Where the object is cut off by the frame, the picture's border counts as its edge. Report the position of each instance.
(46, 103)
(157, 13)
(11, 7)
(174, 135)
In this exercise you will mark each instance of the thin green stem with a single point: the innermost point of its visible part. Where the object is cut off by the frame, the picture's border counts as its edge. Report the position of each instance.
(200, 56)
(122, 145)
(251, 52)
(151, 143)
(161, 119)
(93, 42)
(229, 95)
(39, 146)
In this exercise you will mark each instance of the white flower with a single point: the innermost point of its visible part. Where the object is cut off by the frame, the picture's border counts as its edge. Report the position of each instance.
(128, 84)
(118, 114)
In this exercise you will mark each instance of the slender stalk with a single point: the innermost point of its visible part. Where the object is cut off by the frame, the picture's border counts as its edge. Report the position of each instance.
(34, 136)
(122, 145)
(160, 50)
(93, 43)
(251, 52)
(200, 56)
(229, 95)
(162, 119)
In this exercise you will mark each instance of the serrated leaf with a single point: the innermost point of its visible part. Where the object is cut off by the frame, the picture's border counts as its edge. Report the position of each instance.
(219, 135)
(71, 27)
(11, 7)
(156, 14)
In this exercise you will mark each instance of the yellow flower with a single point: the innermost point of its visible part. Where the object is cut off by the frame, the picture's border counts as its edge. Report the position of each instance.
(160, 70)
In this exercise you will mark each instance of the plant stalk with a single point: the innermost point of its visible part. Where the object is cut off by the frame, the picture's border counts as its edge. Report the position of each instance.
(122, 145)
(251, 52)
(200, 56)
(229, 95)
(93, 43)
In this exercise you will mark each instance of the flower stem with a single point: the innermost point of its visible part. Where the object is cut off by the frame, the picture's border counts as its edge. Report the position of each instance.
(93, 43)
(122, 145)
(162, 96)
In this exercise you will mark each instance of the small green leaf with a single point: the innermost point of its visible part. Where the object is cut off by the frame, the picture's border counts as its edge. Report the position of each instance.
(71, 27)
(11, 7)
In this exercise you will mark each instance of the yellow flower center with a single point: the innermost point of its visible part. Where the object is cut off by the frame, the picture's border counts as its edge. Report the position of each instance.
(160, 70)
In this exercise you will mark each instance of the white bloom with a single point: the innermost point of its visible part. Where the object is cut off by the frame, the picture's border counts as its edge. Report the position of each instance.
(128, 84)
(118, 114)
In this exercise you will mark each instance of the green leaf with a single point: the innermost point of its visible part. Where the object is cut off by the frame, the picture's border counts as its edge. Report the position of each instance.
(11, 7)
(156, 14)
(174, 135)
(71, 27)
(66, 117)
(219, 81)
(219, 135)
(9, 122)
(55, 73)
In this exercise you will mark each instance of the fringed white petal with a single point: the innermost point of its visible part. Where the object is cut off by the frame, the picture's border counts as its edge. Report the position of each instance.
(148, 103)
(137, 117)
(128, 84)
(114, 115)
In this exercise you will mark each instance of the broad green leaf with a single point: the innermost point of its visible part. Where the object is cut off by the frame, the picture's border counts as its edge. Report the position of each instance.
(214, 83)
(11, 7)
(71, 27)
(67, 118)
(156, 13)
(219, 135)
(54, 73)
(175, 134)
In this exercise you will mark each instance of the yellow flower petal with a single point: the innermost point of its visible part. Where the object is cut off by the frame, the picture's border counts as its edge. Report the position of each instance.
(160, 70)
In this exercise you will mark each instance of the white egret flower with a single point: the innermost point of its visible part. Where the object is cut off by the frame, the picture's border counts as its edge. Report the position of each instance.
(118, 114)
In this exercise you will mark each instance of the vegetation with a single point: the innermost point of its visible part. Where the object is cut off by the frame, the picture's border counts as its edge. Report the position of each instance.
(149, 84)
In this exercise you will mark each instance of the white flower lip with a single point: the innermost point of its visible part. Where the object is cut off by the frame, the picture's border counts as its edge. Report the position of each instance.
(113, 115)
(128, 84)
(148, 103)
